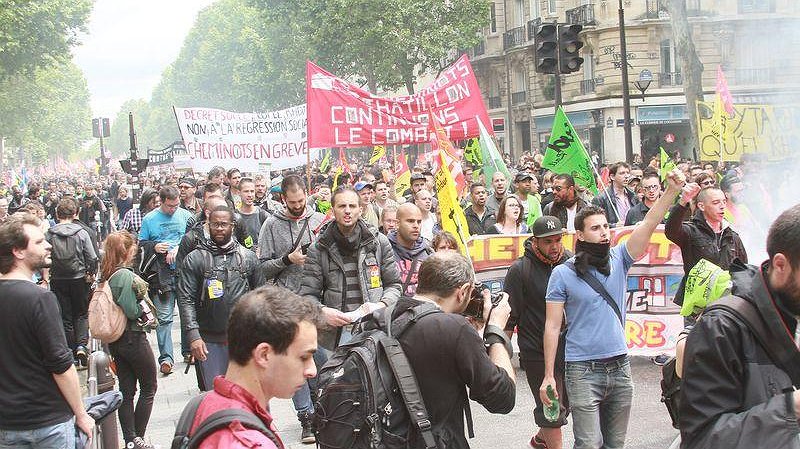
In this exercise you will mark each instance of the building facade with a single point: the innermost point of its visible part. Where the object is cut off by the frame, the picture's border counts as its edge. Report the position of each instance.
(751, 40)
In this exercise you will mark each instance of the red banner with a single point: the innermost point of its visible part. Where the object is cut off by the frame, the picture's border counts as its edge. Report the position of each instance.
(341, 114)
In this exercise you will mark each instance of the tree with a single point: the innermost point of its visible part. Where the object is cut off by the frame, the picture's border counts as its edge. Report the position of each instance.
(35, 34)
(692, 67)
(47, 113)
(385, 44)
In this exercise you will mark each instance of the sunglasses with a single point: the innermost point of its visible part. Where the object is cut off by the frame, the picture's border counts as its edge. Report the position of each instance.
(708, 183)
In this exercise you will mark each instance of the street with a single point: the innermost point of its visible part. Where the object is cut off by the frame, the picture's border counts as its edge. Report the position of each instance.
(649, 425)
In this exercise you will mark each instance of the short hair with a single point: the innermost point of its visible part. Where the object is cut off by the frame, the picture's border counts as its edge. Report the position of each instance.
(231, 172)
(259, 177)
(293, 182)
(225, 209)
(168, 193)
(588, 211)
(212, 188)
(614, 167)
(783, 236)
(703, 176)
(67, 208)
(703, 194)
(568, 179)
(474, 186)
(13, 236)
(651, 174)
(444, 237)
(268, 314)
(215, 171)
(443, 272)
(246, 180)
(340, 190)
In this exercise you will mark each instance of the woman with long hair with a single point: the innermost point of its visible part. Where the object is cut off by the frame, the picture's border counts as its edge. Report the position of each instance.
(131, 352)
(509, 217)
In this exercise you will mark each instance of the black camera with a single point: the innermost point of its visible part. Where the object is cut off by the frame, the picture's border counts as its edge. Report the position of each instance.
(475, 305)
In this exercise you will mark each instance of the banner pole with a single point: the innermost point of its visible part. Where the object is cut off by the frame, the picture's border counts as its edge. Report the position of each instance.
(308, 168)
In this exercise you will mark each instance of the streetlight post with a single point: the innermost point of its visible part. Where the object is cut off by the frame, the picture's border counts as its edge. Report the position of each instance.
(626, 95)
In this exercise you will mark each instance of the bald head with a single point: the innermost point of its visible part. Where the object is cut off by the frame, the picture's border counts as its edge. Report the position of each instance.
(409, 224)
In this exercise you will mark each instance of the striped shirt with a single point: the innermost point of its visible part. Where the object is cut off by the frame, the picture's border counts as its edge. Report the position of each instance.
(352, 293)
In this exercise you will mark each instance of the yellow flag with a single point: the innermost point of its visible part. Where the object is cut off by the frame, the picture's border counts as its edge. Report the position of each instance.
(720, 124)
(453, 219)
(336, 175)
(402, 181)
(378, 152)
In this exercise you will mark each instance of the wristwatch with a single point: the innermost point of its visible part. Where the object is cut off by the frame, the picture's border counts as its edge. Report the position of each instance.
(493, 334)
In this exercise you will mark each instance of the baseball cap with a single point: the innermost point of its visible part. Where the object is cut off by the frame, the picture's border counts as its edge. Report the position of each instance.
(417, 176)
(187, 180)
(547, 225)
(521, 176)
(361, 184)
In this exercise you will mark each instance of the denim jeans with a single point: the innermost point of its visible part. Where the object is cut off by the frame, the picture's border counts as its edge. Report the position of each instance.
(216, 364)
(165, 309)
(302, 399)
(135, 363)
(57, 436)
(600, 395)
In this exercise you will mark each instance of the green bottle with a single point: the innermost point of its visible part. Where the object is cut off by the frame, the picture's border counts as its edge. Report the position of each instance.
(551, 411)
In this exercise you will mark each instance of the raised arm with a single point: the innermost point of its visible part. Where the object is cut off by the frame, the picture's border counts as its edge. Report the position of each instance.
(640, 237)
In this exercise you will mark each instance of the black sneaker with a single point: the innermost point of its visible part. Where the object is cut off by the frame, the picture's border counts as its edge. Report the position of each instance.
(307, 435)
(82, 355)
(140, 443)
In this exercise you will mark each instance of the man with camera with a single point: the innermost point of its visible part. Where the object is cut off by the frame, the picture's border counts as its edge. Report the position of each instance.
(450, 353)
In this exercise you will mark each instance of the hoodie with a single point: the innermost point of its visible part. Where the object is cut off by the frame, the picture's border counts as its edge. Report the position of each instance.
(280, 235)
(409, 260)
(231, 271)
(73, 253)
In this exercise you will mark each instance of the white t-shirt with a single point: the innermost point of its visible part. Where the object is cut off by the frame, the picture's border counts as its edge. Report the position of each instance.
(571, 212)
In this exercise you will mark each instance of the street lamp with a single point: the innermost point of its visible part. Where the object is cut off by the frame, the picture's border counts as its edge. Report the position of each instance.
(645, 78)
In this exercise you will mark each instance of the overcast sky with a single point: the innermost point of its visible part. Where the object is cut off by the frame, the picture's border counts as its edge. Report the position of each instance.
(130, 42)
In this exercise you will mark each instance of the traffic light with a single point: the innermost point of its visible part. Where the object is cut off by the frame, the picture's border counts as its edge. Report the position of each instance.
(545, 46)
(569, 46)
(101, 128)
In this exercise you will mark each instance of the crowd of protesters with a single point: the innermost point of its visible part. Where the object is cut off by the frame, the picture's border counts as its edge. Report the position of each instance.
(203, 241)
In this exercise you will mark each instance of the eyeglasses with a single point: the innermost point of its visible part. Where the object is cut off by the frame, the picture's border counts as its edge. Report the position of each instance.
(560, 188)
(219, 225)
(707, 183)
(653, 187)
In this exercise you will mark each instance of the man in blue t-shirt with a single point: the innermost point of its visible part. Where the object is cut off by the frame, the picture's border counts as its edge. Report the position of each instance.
(161, 232)
(597, 373)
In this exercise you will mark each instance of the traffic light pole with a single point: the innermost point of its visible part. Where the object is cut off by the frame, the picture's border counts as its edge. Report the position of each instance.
(557, 87)
(626, 94)
(135, 185)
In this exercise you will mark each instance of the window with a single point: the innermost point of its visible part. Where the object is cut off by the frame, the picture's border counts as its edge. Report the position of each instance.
(551, 7)
(669, 59)
(493, 19)
(588, 65)
(519, 79)
(520, 13)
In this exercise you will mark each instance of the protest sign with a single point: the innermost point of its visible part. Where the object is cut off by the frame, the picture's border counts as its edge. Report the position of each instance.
(565, 153)
(652, 320)
(341, 114)
(159, 157)
(248, 141)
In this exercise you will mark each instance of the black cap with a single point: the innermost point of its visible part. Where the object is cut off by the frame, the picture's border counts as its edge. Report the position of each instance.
(547, 225)
(523, 175)
(417, 176)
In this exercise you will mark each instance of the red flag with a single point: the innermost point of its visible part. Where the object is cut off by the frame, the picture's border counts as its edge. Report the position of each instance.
(440, 142)
(724, 93)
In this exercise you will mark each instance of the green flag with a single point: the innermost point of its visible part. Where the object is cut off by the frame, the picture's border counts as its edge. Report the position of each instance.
(666, 165)
(492, 160)
(566, 155)
(326, 162)
(472, 152)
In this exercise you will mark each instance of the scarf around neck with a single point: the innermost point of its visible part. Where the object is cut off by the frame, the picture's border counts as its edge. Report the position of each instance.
(347, 244)
(594, 254)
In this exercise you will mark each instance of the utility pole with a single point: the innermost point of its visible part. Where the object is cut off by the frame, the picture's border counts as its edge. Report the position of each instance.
(134, 166)
(626, 94)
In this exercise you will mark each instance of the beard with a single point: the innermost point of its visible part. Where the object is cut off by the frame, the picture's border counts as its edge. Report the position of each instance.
(41, 262)
(790, 296)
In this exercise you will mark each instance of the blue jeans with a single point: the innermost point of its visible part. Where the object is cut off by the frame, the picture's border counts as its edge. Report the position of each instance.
(216, 364)
(165, 309)
(57, 436)
(302, 398)
(600, 395)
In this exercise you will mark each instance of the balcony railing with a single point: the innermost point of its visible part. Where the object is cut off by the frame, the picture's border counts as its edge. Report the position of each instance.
(513, 38)
(582, 15)
(494, 102)
(756, 6)
(587, 86)
(479, 49)
(657, 9)
(532, 24)
(754, 76)
(518, 98)
(670, 79)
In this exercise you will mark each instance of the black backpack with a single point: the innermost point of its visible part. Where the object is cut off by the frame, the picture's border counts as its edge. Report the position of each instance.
(670, 390)
(66, 254)
(368, 396)
(217, 421)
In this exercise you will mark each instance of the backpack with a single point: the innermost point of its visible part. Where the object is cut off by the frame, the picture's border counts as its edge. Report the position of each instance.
(106, 319)
(670, 390)
(367, 394)
(65, 254)
(218, 420)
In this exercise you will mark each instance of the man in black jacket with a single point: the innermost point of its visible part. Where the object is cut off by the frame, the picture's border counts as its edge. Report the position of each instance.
(214, 277)
(733, 394)
(448, 355)
(617, 198)
(526, 285)
(651, 186)
(706, 236)
(480, 218)
(566, 203)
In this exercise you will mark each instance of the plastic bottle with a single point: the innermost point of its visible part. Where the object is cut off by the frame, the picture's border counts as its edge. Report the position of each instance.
(551, 411)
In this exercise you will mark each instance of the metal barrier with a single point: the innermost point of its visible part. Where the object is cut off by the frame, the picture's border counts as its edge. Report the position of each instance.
(99, 380)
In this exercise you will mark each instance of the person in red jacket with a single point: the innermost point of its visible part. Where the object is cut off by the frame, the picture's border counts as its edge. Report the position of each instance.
(272, 337)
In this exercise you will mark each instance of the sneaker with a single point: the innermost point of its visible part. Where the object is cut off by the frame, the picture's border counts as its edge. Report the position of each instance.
(82, 355)
(166, 367)
(139, 443)
(307, 435)
(538, 443)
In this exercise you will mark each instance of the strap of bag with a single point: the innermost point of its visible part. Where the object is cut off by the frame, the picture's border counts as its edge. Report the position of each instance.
(598, 287)
(223, 418)
(409, 389)
(410, 274)
(184, 425)
(747, 313)
(300, 236)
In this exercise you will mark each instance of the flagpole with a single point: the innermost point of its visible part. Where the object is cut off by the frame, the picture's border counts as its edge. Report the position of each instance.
(600, 179)
(308, 168)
